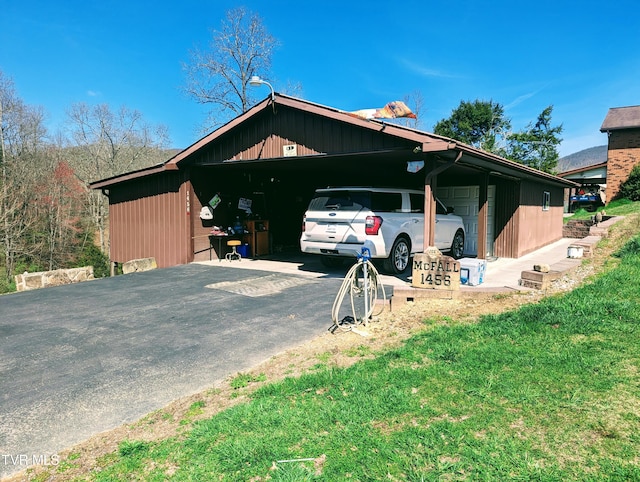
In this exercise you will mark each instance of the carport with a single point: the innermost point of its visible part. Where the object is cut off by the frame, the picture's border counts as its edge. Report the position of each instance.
(590, 193)
(276, 155)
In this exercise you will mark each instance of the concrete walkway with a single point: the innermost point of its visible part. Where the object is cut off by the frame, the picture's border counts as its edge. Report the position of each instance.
(501, 272)
(505, 272)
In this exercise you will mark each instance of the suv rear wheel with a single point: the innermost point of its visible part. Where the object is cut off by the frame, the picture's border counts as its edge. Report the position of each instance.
(457, 245)
(398, 259)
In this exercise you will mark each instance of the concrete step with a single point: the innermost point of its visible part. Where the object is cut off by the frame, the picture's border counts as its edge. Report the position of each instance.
(540, 281)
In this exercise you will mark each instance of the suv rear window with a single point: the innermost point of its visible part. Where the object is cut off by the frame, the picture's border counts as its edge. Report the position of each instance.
(417, 203)
(356, 201)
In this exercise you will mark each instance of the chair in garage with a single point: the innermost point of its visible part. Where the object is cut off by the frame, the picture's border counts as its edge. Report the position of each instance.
(233, 244)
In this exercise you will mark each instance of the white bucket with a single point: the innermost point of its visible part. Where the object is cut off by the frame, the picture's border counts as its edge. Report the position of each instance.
(575, 251)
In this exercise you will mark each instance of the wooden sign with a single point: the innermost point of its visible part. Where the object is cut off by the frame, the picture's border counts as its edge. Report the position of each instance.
(433, 270)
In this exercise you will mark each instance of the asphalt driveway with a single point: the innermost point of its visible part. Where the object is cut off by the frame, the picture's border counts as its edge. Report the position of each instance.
(80, 359)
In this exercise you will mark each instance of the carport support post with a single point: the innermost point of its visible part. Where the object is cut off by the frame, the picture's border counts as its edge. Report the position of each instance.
(483, 215)
(430, 186)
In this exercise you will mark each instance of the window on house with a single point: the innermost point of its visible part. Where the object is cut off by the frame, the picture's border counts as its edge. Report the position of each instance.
(546, 200)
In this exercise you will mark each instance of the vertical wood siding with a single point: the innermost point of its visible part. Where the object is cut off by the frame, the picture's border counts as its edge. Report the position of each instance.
(537, 227)
(263, 137)
(522, 225)
(506, 228)
(148, 218)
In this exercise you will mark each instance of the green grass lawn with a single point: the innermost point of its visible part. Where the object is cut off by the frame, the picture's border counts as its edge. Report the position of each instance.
(620, 207)
(549, 392)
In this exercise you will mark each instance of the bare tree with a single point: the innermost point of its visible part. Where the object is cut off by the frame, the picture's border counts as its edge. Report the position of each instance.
(22, 135)
(219, 76)
(415, 101)
(47, 211)
(109, 143)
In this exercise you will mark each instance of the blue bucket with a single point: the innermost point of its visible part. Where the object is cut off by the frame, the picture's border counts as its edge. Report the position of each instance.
(243, 249)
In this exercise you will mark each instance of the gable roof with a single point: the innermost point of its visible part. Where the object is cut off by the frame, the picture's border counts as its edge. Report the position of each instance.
(621, 118)
(420, 141)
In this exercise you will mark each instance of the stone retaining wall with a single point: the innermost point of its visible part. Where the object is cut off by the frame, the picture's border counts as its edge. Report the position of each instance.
(577, 228)
(581, 228)
(57, 277)
(138, 265)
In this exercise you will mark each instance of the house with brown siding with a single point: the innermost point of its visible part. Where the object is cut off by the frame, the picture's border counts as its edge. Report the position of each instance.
(275, 155)
(622, 125)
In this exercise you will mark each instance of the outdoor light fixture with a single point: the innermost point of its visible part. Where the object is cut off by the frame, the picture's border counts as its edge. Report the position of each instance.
(256, 81)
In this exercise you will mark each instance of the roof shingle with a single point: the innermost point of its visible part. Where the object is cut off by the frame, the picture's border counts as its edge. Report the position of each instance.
(621, 118)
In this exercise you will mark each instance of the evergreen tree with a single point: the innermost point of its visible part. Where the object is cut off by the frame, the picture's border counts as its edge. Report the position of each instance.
(537, 145)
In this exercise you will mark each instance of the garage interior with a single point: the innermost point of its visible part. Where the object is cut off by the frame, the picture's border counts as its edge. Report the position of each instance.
(280, 190)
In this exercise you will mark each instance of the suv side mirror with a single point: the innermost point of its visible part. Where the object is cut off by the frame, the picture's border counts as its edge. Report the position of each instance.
(450, 209)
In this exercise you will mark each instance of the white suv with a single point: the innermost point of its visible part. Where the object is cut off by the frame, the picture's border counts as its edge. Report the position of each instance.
(390, 222)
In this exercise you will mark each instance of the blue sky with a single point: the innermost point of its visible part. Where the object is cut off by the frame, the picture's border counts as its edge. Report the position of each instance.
(582, 58)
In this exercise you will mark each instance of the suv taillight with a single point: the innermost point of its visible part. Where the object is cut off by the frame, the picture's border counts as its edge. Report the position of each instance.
(304, 222)
(372, 225)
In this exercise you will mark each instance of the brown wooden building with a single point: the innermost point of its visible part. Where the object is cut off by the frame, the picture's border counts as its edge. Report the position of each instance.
(275, 155)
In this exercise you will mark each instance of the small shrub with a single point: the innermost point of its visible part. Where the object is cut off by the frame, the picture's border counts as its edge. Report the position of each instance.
(130, 448)
(630, 189)
(92, 256)
(27, 266)
(6, 286)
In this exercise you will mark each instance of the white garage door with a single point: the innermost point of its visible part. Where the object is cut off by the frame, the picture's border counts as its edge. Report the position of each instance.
(464, 200)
